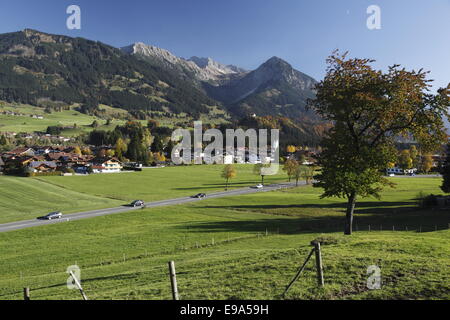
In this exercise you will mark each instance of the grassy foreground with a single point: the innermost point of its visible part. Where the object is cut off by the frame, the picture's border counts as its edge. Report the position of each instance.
(223, 251)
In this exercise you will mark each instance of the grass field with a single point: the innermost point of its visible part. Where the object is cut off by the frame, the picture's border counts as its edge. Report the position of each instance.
(222, 251)
(161, 183)
(78, 193)
(25, 198)
(27, 124)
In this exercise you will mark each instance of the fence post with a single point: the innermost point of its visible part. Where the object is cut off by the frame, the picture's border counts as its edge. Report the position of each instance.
(26, 293)
(173, 280)
(319, 263)
(299, 272)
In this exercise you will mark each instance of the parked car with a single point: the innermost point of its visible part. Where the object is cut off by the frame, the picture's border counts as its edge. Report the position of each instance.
(199, 195)
(259, 186)
(51, 216)
(137, 203)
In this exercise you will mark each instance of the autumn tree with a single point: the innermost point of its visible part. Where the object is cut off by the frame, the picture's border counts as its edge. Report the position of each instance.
(289, 167)
(120, 148)
(427, 163)
(229, 172)
(369, 110)
(77, 151)
(415, 156)
(291, 149)
(446, 172)
(110, 153)
(86, 151)
(404, 160)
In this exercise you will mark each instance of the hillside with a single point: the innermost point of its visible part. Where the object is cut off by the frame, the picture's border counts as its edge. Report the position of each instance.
(194, 69)
(273, 89)
(40, 69)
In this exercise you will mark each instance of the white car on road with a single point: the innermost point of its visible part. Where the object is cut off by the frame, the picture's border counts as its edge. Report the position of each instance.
(51, 216)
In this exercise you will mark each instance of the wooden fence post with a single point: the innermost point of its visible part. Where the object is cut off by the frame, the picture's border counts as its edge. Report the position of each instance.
(26, 293)
(173, 280)
(319, 263)
(299, 272)
(78, 284)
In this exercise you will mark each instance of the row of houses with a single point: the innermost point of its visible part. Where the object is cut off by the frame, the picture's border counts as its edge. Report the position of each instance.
(28, 160)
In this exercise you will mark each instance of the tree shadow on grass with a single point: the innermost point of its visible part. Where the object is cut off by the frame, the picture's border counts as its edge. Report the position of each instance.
(218, 185)
(384, 216)
(369, 207)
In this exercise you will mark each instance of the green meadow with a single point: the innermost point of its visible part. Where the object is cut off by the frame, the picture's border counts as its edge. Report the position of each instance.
(70, 194)
(246, 247)
(161, 183)
(25, 123)
(25, 198)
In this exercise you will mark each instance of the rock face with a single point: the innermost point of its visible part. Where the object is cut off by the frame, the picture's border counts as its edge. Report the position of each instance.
(195, 68)
(275, 88)
(215, 69)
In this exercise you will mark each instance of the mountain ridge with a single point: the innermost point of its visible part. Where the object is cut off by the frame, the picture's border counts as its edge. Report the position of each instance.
(274, 88)
(38, 66)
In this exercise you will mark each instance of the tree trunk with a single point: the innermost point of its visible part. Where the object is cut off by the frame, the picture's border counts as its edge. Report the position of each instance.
(226, 186)
(296, 182)
(349, 214)
(262, 180)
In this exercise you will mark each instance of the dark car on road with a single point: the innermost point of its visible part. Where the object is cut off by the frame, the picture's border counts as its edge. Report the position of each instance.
(51, 215)
(199, 196)
(137, 203)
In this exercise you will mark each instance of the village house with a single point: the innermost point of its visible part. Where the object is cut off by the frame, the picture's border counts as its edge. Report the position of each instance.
(42, 166)
(21, 152)
(43, 159)
(106, 165)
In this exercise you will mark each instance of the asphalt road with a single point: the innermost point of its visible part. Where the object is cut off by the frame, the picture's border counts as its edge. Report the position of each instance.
(102, 212)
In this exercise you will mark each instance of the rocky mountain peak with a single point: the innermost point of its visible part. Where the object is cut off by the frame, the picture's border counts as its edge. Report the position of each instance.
(215, 67)
(202, 69)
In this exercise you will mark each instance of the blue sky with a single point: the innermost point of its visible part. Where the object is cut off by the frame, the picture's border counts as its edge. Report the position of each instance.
(414, 33)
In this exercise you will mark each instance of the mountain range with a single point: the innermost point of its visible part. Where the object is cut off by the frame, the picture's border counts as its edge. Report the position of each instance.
(43, 69)
(275, 88)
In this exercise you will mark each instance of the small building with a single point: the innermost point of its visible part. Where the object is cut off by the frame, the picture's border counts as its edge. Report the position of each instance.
(106, 165)
(42, 166)
(24, 151)
(397, 170)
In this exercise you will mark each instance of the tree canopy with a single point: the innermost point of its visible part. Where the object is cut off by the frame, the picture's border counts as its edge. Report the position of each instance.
(370, 110)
